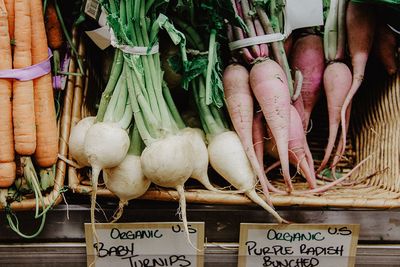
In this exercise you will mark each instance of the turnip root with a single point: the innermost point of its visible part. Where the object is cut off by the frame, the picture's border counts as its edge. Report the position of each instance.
(76, 143)
(126, 181)
(197, 139)
(105, 146)
(229, 159)
(169, 162)
(307, 55)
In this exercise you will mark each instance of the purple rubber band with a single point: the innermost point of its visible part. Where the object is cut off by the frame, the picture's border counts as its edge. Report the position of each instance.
(28, 73)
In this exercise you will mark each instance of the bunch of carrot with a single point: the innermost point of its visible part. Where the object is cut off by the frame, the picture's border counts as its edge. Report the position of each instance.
(28, 124)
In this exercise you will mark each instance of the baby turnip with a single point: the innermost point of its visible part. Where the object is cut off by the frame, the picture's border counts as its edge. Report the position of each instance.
(127, 180)
(77, 140)
(105, 146)
(229, 159)
(168, 162)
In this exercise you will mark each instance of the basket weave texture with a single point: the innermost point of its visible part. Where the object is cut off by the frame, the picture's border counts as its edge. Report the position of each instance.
(375, 132)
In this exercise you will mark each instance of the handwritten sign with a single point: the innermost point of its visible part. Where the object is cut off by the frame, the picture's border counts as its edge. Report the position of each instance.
(144, 245)
(297, 245)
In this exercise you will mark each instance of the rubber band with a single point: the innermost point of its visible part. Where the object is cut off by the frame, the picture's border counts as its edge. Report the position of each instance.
(262, 39)
(133, 50)
(28, 73)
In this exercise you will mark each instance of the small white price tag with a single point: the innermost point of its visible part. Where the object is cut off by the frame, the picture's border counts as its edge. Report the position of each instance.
(297, 245)
(101, 37)
(303, 13)
(145, 244)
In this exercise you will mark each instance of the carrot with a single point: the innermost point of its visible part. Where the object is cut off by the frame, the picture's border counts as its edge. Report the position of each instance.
(7, 174)
(239, 102)
(337, 83)
(46, 130)
(53, 27)
(23, 102)
(269, 84)
(7, 165)
(360, 26)
(385, 47)
(10, 11)
(307, 55)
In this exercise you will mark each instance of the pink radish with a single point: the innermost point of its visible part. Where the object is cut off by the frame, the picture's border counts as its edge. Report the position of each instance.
(337, 83)
(269, 84)
(360, 25)
(307, 55)
(385, 47)
(239, 102)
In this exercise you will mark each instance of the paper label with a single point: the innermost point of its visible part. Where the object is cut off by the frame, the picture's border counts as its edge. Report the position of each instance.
(297, 245)
(145, 244)
(101, 37)
(303, 13)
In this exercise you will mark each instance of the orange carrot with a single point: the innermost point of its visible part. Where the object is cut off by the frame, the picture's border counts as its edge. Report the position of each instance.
(23, 102)
(46, 124)
(10, 11)
(7, 165)
(53, 28)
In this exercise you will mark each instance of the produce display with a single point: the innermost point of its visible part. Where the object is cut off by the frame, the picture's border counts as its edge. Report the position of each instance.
(228, 98)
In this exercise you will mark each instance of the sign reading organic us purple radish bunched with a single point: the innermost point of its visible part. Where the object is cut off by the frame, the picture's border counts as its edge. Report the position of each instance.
(297, 245)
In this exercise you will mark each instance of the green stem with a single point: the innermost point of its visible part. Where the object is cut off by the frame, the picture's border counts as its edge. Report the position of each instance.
(190, 31)
(217, 115)
(149, 3)
(136, 145)
(109, 114)
(149, 87)
(201, 112)
(210, 66)
(112, 81)
(172, 107)
(209, 119)
(146, 129)
(127, 117)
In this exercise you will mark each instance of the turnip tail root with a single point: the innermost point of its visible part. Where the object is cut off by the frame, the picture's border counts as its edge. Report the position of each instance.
(182, 208)
(95, 177)
(251, 194)
(360, 21)
(120, 210)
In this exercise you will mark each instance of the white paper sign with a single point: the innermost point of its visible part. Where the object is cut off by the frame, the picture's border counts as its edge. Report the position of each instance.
(145, 244)
(303, 13)
(297, 245)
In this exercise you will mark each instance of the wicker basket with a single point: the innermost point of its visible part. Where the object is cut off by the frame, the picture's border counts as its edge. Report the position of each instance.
(374, 131)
